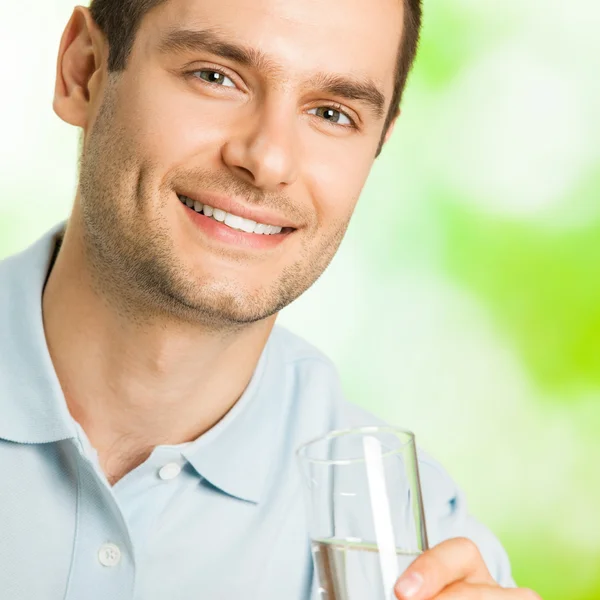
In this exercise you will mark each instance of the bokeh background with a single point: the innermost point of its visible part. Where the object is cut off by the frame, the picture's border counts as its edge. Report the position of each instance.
(465, 302)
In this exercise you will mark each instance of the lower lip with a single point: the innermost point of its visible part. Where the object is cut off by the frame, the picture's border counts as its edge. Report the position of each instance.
(223, 233)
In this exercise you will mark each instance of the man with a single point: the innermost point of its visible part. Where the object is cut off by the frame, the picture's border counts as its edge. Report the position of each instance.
(150, 408)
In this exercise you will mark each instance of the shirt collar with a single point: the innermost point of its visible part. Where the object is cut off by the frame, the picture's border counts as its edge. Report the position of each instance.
(32, 404)
(234, 456)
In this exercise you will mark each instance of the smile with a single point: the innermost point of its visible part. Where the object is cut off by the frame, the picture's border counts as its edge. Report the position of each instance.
(230, 220)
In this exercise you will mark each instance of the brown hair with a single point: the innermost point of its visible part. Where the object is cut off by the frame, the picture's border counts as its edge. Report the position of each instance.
(119, 20)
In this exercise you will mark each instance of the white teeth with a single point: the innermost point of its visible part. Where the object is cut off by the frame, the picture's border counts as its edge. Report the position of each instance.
(248, 226)
(233, 221)
(230, 220)
(260, 229)
(219, 214)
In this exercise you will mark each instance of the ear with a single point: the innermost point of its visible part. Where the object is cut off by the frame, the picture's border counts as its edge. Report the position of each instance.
(81, 68)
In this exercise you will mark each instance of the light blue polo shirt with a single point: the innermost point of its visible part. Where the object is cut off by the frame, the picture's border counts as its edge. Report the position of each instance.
(219, 518)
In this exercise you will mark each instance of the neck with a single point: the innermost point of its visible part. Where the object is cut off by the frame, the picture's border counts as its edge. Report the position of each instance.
(135, 385)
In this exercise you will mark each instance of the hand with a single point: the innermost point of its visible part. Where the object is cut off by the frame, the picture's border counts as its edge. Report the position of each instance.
(454, 570)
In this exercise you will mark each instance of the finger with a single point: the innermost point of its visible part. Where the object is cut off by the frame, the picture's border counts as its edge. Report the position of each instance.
(451, 561)
(475, 591)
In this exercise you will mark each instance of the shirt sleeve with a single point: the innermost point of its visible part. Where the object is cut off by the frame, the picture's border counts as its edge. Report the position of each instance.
(447, 516)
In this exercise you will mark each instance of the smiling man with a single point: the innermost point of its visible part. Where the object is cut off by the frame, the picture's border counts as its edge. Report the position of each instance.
(150, 406)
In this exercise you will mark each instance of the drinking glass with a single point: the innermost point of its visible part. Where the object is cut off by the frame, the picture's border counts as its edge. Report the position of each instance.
(365, 510)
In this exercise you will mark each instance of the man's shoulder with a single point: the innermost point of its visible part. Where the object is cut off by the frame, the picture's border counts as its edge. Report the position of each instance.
(318, 396)
(319, 404)
(8, 265)
(314, 394)
(13, 273)
(295, 349)
(307, 369)
(30, 261)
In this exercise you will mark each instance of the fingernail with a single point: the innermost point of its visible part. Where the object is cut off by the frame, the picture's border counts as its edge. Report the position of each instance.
(409, 586)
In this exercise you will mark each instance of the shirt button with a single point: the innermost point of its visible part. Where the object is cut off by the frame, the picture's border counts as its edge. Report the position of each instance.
(169, 471)
(109, 555)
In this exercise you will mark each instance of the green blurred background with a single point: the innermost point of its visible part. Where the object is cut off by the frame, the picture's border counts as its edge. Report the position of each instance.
(465, 302)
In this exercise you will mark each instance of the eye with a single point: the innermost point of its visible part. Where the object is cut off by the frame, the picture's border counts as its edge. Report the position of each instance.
(334, 115)
(213, 77)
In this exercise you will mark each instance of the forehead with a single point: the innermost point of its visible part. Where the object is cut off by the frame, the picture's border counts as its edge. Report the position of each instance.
(359, 37)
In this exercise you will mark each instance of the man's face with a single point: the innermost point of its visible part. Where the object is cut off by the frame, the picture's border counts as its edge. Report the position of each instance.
(190, 116)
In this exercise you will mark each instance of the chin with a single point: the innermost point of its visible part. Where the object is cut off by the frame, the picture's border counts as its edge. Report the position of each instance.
(231, 305)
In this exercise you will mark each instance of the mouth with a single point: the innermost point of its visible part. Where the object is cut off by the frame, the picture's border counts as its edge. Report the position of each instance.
(234, 222)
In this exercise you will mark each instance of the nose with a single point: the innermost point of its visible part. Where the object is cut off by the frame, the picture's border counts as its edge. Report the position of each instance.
(265, 149)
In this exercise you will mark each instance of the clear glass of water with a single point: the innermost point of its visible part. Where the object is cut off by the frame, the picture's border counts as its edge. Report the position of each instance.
(365, 510)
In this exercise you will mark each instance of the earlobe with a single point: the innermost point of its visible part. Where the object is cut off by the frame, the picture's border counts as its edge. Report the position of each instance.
(79, 59)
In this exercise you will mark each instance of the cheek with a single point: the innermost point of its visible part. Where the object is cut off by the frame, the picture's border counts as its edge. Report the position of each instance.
(336, 183)
(171, 125)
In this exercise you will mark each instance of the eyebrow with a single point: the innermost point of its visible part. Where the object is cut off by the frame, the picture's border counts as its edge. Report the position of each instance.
(179, 41)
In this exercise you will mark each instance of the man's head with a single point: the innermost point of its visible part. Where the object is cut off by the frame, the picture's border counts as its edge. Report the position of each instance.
(280, 106)
(120, 20)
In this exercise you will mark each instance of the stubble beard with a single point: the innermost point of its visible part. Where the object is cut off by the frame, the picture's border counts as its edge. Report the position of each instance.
(131, 259)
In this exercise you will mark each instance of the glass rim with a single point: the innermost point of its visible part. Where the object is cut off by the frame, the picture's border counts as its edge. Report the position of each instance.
(301, 451)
